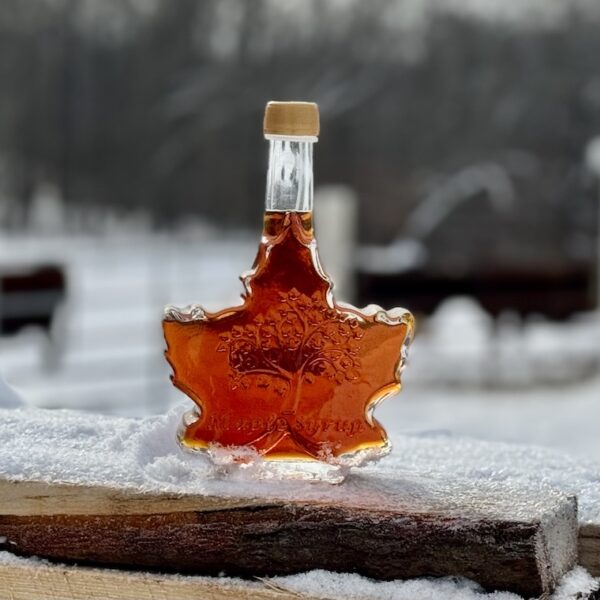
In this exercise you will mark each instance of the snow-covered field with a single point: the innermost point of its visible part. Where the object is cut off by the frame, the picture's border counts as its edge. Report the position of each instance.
(533, 382)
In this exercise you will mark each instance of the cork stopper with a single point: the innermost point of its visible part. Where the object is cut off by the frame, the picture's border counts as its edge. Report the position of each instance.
(291, 118)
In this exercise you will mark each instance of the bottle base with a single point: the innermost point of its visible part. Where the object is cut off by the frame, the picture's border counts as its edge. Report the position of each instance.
(243, 462)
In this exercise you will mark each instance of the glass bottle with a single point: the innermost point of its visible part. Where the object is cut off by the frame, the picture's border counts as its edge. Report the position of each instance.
(289, 379)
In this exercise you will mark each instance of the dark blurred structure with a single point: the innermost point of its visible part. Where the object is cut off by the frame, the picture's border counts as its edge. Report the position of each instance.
(30, 297)
(157, 104)
(554, 294)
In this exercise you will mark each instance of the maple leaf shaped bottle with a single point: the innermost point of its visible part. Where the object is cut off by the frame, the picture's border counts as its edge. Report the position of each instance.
(289, 378)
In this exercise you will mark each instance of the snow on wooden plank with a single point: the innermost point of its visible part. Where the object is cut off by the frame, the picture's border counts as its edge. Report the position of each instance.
(436, 506)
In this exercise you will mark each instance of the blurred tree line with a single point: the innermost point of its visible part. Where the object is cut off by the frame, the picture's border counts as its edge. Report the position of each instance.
(158, 103)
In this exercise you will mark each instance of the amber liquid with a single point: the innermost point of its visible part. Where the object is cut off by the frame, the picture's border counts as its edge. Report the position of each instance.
(289, 373)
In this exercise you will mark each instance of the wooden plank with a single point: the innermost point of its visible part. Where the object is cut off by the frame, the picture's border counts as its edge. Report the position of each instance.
(496, 536)
(27, 498)
(22, 581)
(589, 548)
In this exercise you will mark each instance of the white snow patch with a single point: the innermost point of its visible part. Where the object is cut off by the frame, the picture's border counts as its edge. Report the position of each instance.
(462, 346)
(576, 584)
(327, 585)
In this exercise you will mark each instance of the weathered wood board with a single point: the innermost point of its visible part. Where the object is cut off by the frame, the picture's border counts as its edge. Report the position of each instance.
(502, 538)
(63, 582)
(589, 548)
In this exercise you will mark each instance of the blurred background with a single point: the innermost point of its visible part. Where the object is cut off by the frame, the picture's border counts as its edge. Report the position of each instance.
(457, 174)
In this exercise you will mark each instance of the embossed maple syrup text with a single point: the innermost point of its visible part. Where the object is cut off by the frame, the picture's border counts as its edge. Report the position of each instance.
(283, 422)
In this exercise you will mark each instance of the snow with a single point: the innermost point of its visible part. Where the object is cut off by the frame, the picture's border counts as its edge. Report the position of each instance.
(575, 585)
(327, 585)
(323, 584)
(531, 382)
(8, 397)
(428, 470)
(462, 346)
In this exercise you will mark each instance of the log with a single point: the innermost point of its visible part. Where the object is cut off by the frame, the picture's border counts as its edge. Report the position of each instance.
(504, 538)
(589, 548)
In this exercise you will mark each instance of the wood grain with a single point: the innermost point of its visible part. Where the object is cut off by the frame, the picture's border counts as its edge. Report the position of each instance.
(589, 548)
(252, 537)
(27, 498)
(63, 582)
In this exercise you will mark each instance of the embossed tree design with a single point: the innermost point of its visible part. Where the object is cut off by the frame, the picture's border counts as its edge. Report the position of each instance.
(294, 342)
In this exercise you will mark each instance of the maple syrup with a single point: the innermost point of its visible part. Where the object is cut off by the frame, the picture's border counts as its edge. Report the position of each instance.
(289, 374)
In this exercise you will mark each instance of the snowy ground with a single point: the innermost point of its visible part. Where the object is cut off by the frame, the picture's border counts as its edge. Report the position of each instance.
(533, 382)
(431, 468)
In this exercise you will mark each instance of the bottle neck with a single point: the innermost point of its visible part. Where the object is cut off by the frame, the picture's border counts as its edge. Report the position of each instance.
(290, 175)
